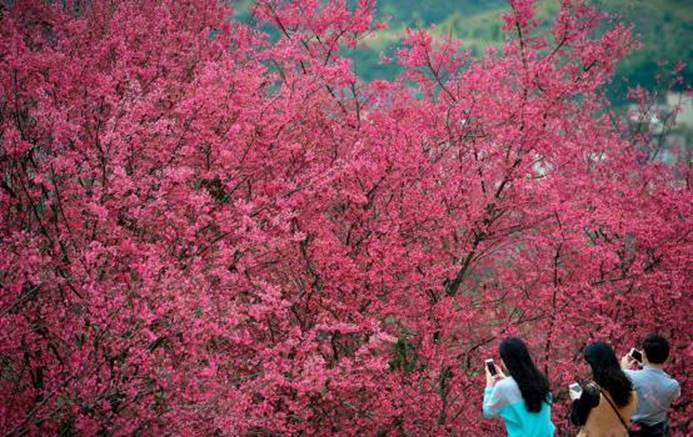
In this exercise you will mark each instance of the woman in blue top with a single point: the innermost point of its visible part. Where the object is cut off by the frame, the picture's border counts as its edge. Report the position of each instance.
(523, 398)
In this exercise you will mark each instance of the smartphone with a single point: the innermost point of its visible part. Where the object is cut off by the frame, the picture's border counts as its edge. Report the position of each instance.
(636, 355)
(491, 366)
(575, 388)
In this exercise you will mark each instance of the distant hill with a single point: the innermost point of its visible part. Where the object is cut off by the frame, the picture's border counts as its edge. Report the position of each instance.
(665, 27)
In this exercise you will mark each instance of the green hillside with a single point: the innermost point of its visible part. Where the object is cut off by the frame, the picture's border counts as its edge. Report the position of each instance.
(665, 28)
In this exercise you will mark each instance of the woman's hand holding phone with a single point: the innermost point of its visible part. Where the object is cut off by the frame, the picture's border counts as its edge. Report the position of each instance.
(491, 379)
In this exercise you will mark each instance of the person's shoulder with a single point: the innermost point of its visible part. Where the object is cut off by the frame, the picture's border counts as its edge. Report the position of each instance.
(674, 383)
(506, 383)
(671, 377)
(508, 389)
(634, 373)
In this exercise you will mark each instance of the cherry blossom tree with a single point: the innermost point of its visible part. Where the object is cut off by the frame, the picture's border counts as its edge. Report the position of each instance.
(213, 227)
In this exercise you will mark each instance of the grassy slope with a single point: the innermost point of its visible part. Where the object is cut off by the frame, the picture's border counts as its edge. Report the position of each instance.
(665, 28)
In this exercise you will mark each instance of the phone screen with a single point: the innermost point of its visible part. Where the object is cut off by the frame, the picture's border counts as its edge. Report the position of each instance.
(491, 367)
(636, 354)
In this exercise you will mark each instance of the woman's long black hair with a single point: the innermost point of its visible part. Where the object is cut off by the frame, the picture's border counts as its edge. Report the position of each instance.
(533, 384)
(607, 372)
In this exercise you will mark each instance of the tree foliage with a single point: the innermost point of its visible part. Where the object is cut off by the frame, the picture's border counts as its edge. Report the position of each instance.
(206, 230)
